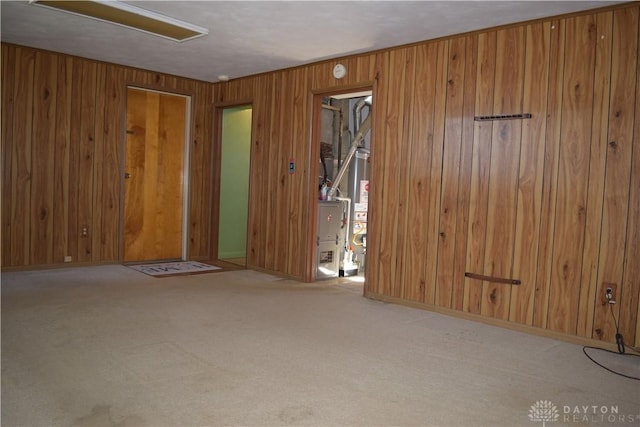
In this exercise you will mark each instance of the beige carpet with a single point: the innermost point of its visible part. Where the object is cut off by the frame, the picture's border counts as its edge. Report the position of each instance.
(108, 346)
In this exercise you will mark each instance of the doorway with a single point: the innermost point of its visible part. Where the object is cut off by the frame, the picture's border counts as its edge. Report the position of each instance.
(235, 159)
(343, 142)
(156, 165)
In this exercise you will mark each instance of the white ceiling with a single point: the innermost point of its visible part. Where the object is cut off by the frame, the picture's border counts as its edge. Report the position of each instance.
(250, 37)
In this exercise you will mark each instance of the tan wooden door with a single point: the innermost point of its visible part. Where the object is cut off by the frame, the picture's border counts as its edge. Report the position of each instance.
(153, 200)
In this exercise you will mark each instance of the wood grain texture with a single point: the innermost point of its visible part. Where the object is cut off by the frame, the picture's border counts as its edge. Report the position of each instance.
(619, 145)
(113, 170)
(378, 132)
(448, 212)
(481, 162)
(503, 172)
(42, 160)
(86, 159)
(466, 164)
(61, 159)
(597, 171)
(405, 173)
(419, 163)
(298, 191)
(274, 225)
(575, 146)
(283, 184)
(435, 169)
(630, 304)
(391, 181)
(530, 175)
(198, 189)
(98, 178)
(7, 79)
(550, 173)
(155, 161)
(21, 166)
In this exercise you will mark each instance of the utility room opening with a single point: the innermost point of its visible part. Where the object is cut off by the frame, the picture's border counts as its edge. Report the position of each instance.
(343, 185)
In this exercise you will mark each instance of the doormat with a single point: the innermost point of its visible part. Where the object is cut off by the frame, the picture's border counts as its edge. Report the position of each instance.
(173, 268)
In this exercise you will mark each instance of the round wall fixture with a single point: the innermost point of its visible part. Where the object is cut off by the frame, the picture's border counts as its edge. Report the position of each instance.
(339, 71)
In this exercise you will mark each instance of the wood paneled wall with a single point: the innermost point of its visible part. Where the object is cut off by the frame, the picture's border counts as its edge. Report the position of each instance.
(63, 135)
(552, 201)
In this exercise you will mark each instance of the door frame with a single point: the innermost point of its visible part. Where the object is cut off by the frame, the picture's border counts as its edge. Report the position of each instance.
(216, 162)
(186, 175)
(314, 169)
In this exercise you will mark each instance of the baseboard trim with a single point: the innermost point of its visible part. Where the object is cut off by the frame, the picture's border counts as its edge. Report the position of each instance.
(57, 266)
(533, 330)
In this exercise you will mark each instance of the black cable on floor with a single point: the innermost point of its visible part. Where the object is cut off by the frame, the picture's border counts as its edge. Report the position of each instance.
(584, 350)
(621, 349)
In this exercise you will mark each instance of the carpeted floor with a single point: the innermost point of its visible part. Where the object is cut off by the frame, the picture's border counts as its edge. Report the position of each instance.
(108, 346)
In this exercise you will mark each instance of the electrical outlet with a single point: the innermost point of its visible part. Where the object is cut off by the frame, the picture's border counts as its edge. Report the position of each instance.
(68, 258)
(608, 294)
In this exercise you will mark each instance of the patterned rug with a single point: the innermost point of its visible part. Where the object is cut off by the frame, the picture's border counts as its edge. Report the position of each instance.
(173, 268)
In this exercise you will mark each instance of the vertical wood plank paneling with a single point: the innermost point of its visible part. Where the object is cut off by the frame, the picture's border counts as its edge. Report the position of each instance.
(201, 97)
(264, 185)
(503, 173)
(592, 234)
(374, 268)
(419, 168)
(479, 193)
(279, 144)
(622, 115)
(256, 151)
(405, 156)
(285, 227)
(550, 174)
(435, 174)
(298, 196)
(61, 159)
(466, 164)
(114, 132)
(74, 159)
(86, 162)
(274, 226)
(259, 176)
(630, 304)
(42, 159)
(530, 172)
(21, 157)
(64, 162)
(448, 211)
(204, 123)
(8, 81)
(390, 182)
(577, 115)
(197, 195)
(365, 68)
(323, 75)
(98, 173)
(202, 100)
(135, 159)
